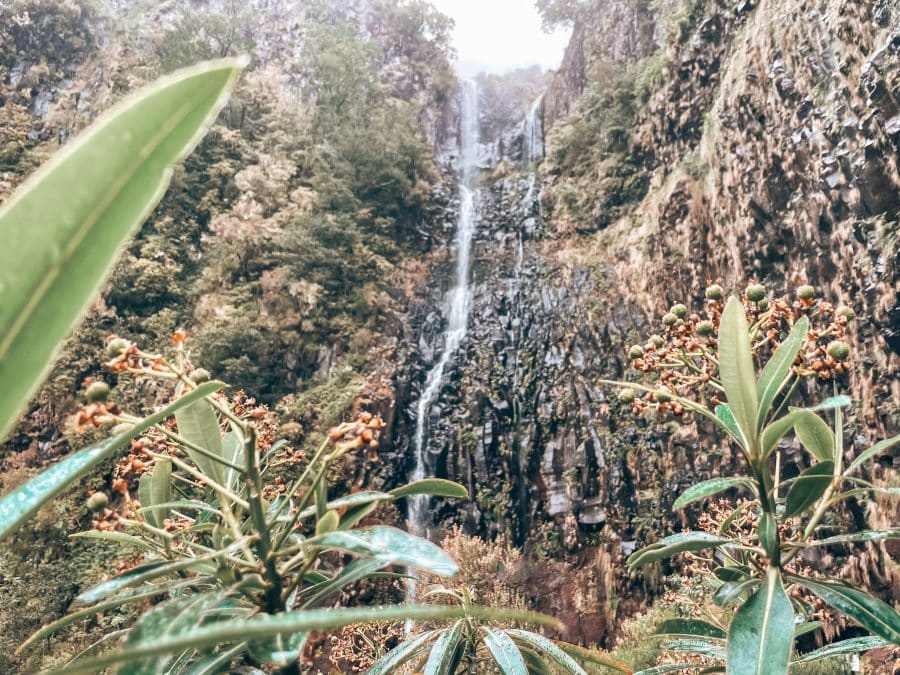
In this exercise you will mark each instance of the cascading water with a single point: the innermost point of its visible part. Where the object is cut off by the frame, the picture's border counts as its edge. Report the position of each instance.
(533, 148)
(459, 297)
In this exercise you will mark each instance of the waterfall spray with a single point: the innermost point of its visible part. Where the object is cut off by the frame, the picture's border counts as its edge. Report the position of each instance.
(459, 300)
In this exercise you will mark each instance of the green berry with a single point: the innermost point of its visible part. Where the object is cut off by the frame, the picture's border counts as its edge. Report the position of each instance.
(679, 310)
(657, 341)
(116, 346)
(838, 350)
(847, 313)
(705, 328)
(97, 502)
(97, 391)
(199, 375)
(669, 319)
(755, 292)
(763, 304)
(626, 395)
(715, 292)
(662, 396)
(806, 292)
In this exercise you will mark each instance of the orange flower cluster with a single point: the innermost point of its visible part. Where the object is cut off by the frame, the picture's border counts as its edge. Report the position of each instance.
(96, 415)
(683, 356)
(360, 433)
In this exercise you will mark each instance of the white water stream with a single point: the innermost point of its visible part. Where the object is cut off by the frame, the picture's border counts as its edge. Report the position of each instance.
(459, 297)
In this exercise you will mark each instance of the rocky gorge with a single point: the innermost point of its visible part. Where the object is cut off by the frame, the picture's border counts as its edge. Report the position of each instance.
(680, 143)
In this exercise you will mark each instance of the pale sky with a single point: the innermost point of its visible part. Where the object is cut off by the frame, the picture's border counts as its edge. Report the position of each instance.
(499, 35)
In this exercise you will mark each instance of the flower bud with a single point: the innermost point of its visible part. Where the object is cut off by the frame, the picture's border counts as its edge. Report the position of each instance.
(635, 352)
(661, 396)
(626, 395)
(199, 375)
(705, 329)
(116, 346)
(97, 391)
(669, 319)
(847, 313)
(657, 341)
(97, 502)
(755, 292)
(838, 350)
(806, 292)
(715, 292)
(679, 310)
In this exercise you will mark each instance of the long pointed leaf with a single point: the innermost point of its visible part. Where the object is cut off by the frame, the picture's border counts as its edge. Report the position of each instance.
(392, 546)
(506, 655)
(444, 652)
(851, 646)
(876, 449)
(676, 543)
(736, 369)
(198, 424)
(436, 487)
(549, 648)
(399, 655)
(708, 488)
(24, 501)
(869, 612)
(761, 634)
(815, 435)
(64, 227)
(260, 627)
(775, 374)
(807, 488)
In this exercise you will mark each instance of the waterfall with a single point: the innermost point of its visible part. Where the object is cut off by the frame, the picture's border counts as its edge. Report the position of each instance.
(459, 297)
(533, 142)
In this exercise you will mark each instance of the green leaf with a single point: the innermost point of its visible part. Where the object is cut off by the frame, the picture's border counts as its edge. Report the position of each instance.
(350, 501)
(806, 627)
(857, 537)
(593, 657)
(690, 628)
(260, 627)
(761, 634)
(233, 452)
(358, 569)
(280, 650)
(777, 371)
(20, 504)
(215, 663)
(852, 646)
(676, 543)
(445, 652)
(120, 538)
(667, 668)
(198, 424)
(871, 613)
(64, 227)
(876, 449)
(768, 536)
(506, 655)
(436, 487)
(395, 658)
(161, 488)
(139, 575)
(730, 592)
(328, 523)
(815, 435)
(807, 488)
(549, 648)
(706, 489)
(723, 412)
(736, 369)
(778, 428)
(695, 646)
(145, 498)
(732, 573)
(172, 619)
(391, 546)
(130, 595)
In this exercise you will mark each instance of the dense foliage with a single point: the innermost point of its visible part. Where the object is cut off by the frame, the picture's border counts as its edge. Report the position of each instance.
(707, 366)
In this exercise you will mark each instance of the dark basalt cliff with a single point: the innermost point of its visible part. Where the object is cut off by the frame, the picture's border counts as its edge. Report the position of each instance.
(764, 147)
